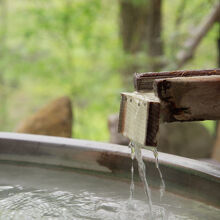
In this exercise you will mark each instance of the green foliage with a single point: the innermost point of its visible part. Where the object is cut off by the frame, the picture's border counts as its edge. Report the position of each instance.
(182, 19)
(72, 47)
(61, 48)
(138, 2)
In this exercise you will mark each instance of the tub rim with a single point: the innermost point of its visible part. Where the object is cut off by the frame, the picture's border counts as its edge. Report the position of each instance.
(110, 159)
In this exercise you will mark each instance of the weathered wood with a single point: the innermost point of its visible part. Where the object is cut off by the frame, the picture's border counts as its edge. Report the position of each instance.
(144, 81)
(189, 98)
(139, 117)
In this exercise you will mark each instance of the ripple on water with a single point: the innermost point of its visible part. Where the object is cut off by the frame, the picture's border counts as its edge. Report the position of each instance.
(40, 194)
(45, 204)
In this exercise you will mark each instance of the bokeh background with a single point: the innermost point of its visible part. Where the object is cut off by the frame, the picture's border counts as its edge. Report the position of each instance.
(88, 50)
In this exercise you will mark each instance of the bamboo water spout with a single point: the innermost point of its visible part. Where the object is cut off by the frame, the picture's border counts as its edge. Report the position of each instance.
(168, 97)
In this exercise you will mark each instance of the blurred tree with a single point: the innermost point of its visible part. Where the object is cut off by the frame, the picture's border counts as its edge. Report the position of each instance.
(140, 29)
(201, 30)
(141, 32)
(72, 47)
(3, 86)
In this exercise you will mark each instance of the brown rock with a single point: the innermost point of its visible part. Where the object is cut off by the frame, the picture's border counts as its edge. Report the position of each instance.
(216, 149)
(188, 139)
(55, 119)
(115, 137)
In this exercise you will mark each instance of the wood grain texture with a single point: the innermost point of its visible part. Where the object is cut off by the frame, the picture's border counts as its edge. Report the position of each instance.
(144, 81)
(139, 117)
(189, 98)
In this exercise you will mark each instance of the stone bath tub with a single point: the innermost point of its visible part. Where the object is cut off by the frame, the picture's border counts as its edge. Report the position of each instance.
(185, 177)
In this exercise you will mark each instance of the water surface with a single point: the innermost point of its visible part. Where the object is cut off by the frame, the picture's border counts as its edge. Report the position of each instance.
(35, 193)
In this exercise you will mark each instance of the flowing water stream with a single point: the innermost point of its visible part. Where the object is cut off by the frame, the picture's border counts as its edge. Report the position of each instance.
(162, 184)
(136, 152)
(142, 174)
(132, 170)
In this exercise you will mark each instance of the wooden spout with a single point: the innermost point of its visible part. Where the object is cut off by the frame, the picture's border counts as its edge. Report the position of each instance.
(139, 117)
(190, 96)
(143, 82)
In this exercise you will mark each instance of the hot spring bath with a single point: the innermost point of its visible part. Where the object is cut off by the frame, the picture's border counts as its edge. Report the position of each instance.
(57, 178)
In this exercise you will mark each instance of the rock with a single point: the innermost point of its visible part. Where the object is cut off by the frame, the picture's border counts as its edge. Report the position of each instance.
(188, 139)
(216, 149)
(115, 137)
(55, 119)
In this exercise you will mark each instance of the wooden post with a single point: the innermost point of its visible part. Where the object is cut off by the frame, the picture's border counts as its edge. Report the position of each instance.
(189, 96)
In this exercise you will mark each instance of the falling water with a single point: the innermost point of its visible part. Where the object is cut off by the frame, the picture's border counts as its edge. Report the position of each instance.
(132, 170)
(162, 184)
(136, 152)
(142, 174)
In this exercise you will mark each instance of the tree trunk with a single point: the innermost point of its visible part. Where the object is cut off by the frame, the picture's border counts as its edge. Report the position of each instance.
(133, 25)
(155, 44)
(140, 30)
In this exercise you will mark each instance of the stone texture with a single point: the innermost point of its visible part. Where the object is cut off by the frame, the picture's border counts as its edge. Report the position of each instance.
(115, 137)
(216, 149)
(55, 119)
(188, 139)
